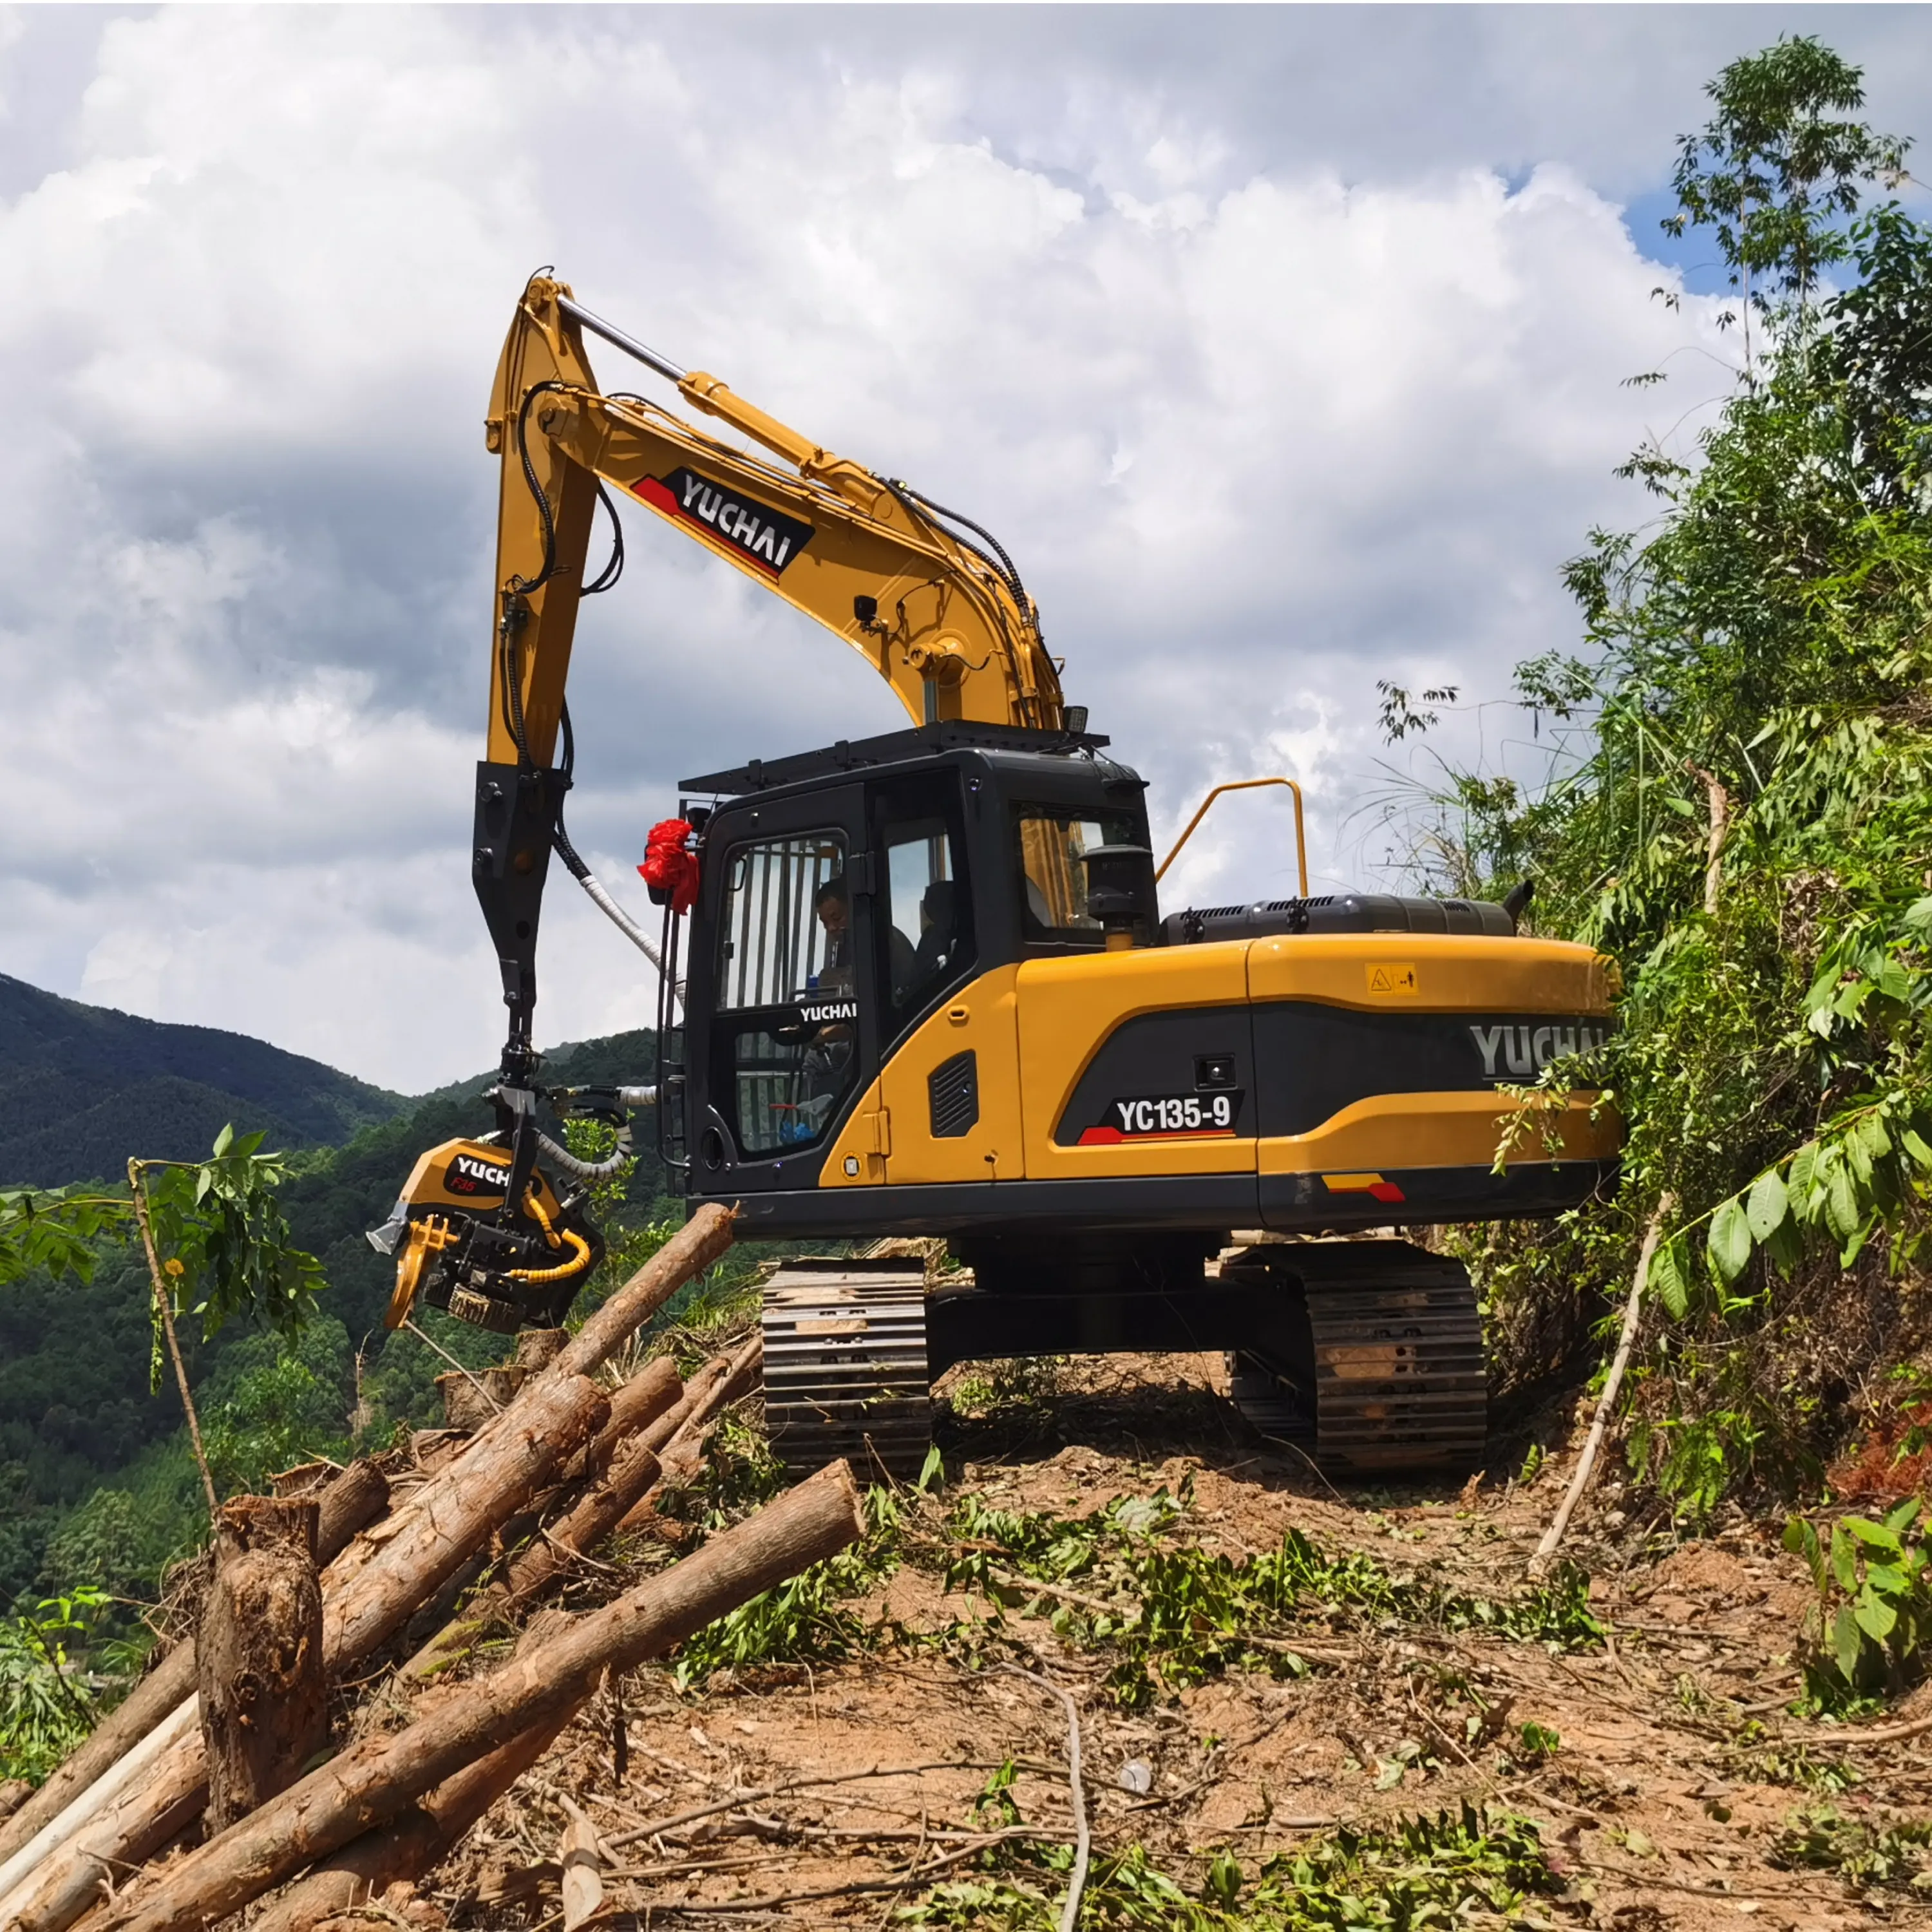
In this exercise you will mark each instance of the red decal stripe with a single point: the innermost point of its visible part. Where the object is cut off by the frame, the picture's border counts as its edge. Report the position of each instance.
(1113, 1136)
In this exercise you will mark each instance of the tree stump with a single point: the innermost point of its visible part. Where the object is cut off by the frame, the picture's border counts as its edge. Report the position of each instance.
(264, 1703)
(471, 1402)
(537, 1348)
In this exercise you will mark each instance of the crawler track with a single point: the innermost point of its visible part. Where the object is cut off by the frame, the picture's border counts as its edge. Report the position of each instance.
(845, 1367)
(1395, 1378)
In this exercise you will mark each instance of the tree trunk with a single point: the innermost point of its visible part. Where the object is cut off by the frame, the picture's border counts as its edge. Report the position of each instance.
(417, 1840)
(690, 1251)
(656, 1397)
(349, 1503)
(453, 1515)
(653, 1391)
(376, 1779)
(427, 1539)
(264, 1700)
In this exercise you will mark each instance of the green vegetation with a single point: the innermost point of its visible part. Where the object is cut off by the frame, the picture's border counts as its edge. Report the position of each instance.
(46, 1704)
(1737, 811)
(97, 1485)
(1119, 1582)
(1460, 1866)
(1868, 1631)
(1865, 1855)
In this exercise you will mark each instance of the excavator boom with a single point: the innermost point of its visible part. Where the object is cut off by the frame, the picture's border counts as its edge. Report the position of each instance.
(945, 620)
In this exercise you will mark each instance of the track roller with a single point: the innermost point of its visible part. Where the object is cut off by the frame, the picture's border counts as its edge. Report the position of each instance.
(845, 1365)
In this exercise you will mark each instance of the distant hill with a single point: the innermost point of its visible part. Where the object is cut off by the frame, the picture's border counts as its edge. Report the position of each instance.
(81, 1087)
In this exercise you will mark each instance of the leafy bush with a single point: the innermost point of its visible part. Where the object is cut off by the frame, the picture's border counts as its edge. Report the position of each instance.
(45, 1707)
(1868, 1631)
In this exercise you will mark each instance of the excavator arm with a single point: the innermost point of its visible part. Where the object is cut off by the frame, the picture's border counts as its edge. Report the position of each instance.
(931, 602)
(944, 620)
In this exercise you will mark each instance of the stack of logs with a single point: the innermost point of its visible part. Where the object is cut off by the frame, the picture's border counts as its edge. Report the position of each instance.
(310, 1593)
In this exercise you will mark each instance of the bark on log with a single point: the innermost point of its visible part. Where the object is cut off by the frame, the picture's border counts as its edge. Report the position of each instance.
(654, 1391)
(650, 1398)
(691, 1250)
(418, 1840)
(375, 1780)
(431, 1536)
(349, 1503)
(264, 1699)
(13, 1794)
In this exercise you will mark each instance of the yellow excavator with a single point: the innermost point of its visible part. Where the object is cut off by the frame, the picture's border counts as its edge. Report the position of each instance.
(927, 988)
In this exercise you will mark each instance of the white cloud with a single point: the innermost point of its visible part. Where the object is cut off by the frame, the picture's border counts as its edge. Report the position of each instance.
(1257, 433)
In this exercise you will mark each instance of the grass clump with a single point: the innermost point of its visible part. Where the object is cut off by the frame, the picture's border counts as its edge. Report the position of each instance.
(1866, 1856)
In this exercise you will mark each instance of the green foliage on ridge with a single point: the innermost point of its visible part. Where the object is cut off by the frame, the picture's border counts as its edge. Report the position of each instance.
(1758, 662)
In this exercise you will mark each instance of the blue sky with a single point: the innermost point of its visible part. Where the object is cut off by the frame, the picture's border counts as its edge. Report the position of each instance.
(1282, 346)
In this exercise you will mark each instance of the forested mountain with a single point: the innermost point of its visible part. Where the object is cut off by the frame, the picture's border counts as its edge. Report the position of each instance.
(77, 1415)
(81, 1087)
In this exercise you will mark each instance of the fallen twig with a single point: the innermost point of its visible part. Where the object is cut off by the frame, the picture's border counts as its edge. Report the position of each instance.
(1083, 1842)
(1546, 1550)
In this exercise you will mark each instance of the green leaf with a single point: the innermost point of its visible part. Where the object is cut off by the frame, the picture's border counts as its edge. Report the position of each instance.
(1904, 1515)
(1669, 1276)
(1916, 1145)
(1848, 1644)
(1875, 1616)
(1766, 1209)
(224, 1140)
(1803, 1169)
(1844, 1558)
(1875, 1536)
(1728, 1242)
(1841, 1205)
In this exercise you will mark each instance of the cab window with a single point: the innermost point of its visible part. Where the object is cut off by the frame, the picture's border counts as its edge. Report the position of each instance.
(1050, 841)
(787, 994)
(927, 928)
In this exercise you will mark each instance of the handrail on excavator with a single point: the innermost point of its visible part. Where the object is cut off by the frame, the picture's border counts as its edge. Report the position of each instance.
(1246, 784)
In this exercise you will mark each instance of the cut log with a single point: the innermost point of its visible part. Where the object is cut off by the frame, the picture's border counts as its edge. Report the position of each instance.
(264, 1700)
(419, 1839)
(537, 1348)
(649, 1399)
(451, 1517)
(695, 1246)
(583, 1883)
(471, 1402)
(427, 1541)
(376, 1779)
(349, 1503)
(654, 1391)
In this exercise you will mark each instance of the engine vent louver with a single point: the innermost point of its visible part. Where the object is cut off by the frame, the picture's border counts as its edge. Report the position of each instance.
(952, 1097)
(1337, 912)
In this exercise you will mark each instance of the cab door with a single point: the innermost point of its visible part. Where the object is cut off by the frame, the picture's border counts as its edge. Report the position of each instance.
(786, 992)
(949, 1040)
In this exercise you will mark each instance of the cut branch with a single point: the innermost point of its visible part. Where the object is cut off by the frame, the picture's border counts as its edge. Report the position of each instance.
(1586, 1463)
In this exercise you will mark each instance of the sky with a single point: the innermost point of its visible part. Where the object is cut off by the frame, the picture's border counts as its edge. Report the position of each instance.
(1285, 349)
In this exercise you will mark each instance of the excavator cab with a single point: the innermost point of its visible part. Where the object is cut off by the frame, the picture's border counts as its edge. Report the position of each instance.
(850, 897)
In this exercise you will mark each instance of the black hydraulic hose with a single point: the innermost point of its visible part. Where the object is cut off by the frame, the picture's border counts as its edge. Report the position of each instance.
(614, 567)
(1009, 570)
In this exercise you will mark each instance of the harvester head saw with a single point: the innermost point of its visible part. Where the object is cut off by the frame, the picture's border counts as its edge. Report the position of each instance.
(461, 1246)
(482, 1232)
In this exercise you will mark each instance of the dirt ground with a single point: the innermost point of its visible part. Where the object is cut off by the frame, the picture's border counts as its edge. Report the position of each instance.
(1660, 1807)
